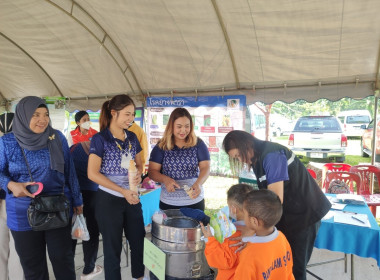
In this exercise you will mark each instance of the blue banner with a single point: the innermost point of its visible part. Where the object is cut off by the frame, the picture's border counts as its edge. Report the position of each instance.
(231, 101)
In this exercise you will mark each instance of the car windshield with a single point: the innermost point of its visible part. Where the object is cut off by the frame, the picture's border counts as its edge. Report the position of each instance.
(317, 124)
(357, 119)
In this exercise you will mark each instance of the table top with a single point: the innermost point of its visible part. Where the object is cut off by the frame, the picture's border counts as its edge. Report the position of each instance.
(351, 239)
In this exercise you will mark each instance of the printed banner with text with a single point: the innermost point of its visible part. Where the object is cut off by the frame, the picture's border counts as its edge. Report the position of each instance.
(213, 118)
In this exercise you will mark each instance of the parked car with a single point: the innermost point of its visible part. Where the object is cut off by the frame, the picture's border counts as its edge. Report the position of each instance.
(366, 140)
(280, 125)
(318, 137)
(352, 121)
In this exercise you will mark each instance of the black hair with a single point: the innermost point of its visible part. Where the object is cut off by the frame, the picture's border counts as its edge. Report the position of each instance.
(117, 103)
(237, 193)
(79, 115)
(264, 205)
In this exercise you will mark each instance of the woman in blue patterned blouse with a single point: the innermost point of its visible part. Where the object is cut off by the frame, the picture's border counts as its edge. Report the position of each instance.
(48, 156)
(118, 209)
(180, 159)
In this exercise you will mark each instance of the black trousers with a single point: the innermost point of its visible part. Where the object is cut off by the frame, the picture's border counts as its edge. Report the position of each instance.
(115, 215)
(31, 248)
(302, 244)
(200, 205)
(90, 247)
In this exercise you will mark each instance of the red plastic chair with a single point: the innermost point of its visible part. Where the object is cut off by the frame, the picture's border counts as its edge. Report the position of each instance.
(333, 167)
(350, 178)
(312, 173)
(365, 172)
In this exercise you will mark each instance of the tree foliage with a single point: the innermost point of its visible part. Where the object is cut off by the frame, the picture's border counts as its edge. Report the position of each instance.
(322, 107)
(301, 108)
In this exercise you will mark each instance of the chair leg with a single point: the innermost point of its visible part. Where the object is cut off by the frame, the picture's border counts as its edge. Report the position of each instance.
(345, 263)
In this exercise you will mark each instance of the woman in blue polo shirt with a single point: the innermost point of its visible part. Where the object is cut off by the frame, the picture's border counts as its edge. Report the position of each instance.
(45, 149)
(279, 170)
(179, 159)
(118, 208)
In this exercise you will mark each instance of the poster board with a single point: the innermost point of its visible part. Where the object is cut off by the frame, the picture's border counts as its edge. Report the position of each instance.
(213, 118)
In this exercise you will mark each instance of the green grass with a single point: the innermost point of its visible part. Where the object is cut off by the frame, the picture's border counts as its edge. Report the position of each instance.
(216, 193)
(351, 160)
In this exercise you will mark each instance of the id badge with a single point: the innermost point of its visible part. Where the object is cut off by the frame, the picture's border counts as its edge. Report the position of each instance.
(125, 161)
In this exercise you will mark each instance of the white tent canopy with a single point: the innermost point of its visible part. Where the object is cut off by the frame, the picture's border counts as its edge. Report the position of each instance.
(269, 50)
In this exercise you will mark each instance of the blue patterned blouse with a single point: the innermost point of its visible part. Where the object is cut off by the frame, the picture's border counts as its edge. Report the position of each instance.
(182, 165)
(105, 146)
(14, 168)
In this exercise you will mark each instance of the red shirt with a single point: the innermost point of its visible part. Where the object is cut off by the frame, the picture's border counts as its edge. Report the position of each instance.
(78, 137)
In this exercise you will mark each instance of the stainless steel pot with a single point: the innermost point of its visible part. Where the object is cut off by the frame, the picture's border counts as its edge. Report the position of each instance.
(180, 238)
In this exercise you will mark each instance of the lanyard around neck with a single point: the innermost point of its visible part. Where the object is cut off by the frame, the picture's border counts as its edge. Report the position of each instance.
(119, 146)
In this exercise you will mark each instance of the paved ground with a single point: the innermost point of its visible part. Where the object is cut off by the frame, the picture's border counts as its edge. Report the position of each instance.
(364, 268)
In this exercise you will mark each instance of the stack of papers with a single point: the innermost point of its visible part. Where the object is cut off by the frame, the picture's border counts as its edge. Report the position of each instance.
(351, 198)
(350, 218)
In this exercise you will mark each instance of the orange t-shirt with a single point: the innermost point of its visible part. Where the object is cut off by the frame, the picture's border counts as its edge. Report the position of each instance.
(271, 260)
(78, 137)
(222, 256)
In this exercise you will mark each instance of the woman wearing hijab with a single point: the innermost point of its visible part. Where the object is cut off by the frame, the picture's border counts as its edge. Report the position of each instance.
(48, 156)
(83, 132)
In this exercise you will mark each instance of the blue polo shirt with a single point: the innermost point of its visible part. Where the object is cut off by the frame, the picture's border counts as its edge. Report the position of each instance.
(80, 158)
(105, 146)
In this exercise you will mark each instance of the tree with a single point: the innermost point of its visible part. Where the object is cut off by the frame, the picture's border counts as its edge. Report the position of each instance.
(266, 109)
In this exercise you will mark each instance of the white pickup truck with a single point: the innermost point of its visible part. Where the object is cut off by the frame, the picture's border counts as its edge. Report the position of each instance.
(318, 137)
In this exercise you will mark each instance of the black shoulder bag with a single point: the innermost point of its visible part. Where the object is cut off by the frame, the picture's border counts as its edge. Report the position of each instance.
(47, 212)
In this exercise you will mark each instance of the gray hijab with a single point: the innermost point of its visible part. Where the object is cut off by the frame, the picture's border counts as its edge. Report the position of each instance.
(31, 141)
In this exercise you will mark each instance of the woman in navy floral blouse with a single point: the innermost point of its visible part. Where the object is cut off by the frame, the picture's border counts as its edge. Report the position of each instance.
(118, 209)
(180, 159)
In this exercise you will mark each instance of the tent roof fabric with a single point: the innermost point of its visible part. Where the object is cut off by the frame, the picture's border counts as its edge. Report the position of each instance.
(268, 50)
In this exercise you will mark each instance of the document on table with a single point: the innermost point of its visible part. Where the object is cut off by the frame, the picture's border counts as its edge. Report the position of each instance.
(351, 198)
(335, 204)
(360, 220)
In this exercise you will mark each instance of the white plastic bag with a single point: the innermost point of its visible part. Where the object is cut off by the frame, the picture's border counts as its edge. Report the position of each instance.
(79, 228)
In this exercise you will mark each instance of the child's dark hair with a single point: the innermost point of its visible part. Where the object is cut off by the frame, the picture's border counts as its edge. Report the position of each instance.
(264, 205)
(237, 193)
(117, 103)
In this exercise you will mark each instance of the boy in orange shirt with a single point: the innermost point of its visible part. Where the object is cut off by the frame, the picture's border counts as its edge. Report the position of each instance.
(221, 255)
(268, 255)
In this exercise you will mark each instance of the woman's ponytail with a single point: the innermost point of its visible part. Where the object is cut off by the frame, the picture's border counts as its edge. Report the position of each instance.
(105, 116)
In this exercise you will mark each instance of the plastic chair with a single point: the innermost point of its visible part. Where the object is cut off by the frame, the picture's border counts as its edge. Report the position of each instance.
(333, 167)
(312, 173)
(348, 177)
(365, 171)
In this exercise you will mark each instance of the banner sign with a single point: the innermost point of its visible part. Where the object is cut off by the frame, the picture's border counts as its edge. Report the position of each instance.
(213, 118)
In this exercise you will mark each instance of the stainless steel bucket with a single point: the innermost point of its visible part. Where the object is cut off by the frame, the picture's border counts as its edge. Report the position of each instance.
(180, 238)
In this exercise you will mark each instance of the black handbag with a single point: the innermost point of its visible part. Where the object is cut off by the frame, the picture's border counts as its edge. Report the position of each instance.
(47, 212)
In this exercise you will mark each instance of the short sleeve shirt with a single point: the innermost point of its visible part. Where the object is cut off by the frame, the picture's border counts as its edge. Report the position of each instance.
(182, 165)
(111, 149)
(276, 167)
